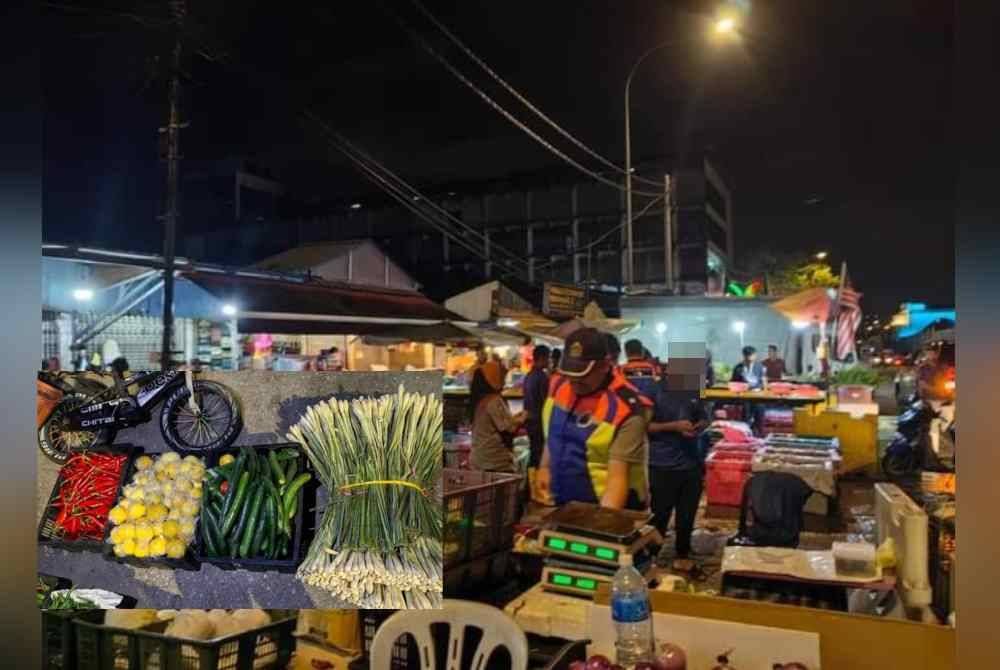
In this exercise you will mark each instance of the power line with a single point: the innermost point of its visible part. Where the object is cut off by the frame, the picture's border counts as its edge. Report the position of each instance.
(503, 112)
(524, 101)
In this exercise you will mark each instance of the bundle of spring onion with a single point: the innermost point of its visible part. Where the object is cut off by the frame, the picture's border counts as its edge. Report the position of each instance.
(379, 544)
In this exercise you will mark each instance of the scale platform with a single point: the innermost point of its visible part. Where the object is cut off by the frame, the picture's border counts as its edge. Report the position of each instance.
(595, 535)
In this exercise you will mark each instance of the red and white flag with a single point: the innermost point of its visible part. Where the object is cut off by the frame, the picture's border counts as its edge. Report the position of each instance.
(848, 317)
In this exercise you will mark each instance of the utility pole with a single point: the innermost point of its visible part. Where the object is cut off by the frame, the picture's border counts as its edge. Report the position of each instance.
(178, 9)
(668, 231)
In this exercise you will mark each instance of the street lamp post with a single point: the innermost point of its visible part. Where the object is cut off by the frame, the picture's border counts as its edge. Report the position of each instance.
(724, 25)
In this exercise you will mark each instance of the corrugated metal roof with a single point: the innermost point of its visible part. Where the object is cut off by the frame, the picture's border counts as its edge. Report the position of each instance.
(308, 256)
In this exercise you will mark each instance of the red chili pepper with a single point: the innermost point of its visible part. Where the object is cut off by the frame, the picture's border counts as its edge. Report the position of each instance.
(224, 487)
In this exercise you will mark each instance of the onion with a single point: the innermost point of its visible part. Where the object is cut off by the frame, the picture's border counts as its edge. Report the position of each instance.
(671, 657)
(598, 662)
(578, 665)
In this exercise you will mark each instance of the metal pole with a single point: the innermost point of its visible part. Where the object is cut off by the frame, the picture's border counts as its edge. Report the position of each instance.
(668, 230)
(628, 182)
(170, 219)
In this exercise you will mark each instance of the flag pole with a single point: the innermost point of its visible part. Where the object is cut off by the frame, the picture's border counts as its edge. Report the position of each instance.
(836, 323)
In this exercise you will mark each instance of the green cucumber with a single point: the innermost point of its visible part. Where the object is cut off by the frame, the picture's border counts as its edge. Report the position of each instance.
(215, 507)
(276, 471)
(290, 493)
(272, 529)
(265, 548)
(286, 454)
(251, 530)
(211, 526)
(234, 502)
(265, 522)
(278, 507)
(225, 471)
(244, 514)
(238, 469)
(292, 470)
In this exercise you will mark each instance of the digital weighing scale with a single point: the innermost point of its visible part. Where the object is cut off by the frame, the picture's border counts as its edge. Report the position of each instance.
(582, 543)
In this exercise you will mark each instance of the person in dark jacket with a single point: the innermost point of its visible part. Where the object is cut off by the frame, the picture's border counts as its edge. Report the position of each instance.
(750, 371)
(536, 390)
(676, 462)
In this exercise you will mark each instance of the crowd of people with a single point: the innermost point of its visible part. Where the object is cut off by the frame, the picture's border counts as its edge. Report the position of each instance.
(625, 435)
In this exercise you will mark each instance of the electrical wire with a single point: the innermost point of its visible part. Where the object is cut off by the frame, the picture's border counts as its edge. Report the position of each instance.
(524, 101)
(503, 112)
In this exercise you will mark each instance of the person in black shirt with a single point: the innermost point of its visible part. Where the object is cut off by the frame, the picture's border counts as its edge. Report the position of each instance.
(536, 390)
(750, 371)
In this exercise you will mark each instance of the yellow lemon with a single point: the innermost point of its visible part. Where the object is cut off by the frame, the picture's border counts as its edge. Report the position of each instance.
(170, 457)
(175, 514)
(171, 528)
(173, 469)
(127, 531)
(157, 527)
(226, 459)
(141, 549)
(143, 531)
(161, 476)
(157, 546)
(116, 535)
(136, 511)
(189, 508)
(118, 514)
(187, 528)
(120, 550)
(176, 549)
(157, 512)
(125, 503)
(127, 547)
(143, 463)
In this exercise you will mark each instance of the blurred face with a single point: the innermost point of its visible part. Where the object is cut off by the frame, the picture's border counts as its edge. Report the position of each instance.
(481, 356)
(772, 354)
(542, 361)
(750, 358)
(593, 380)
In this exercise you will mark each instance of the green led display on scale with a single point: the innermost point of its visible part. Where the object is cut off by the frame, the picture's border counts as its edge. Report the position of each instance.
(557, 543)
(561, 580)
(605, 553)
(579, 548)
(587, 584)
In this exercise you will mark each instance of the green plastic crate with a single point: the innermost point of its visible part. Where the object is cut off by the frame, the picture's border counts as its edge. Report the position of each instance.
(101, 647)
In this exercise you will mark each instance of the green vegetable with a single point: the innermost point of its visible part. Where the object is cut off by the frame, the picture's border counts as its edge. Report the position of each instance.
(226, 471)
(272, 526)
(279, 507)
(288, 502)
(251, 458)
(251, 530)
(288, 454)
(210, 547)
(235, 497)
(238, 470)
(66, 601)
(244, 514)
(279, 474)
(292, 470)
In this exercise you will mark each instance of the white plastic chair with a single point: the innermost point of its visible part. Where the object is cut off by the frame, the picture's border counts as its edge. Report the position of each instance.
(499, 630)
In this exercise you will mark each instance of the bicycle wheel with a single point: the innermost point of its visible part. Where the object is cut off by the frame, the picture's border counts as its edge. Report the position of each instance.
(215, 425)
(56, 439)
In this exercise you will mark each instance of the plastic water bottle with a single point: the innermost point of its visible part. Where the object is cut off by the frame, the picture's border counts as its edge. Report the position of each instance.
(631, 614)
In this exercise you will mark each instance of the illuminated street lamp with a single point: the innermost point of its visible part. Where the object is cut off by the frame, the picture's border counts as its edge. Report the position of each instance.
(725, 25)
(821, 256)
(740, 327)
(229, 310)
(83, 295)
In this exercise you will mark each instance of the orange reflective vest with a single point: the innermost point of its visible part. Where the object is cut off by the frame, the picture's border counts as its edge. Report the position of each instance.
(579, 432)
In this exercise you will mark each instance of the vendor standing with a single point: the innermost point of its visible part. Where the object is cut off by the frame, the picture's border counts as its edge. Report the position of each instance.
(750, 371)
(536, 389)
(595, 430)
(774, 365)
(677, 459)
(493, 426)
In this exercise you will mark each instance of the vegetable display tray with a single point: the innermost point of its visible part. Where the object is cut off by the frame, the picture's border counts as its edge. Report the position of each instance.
(102, 647)
(303, 523)
(189, 562)
(47, 538)
(480, 509)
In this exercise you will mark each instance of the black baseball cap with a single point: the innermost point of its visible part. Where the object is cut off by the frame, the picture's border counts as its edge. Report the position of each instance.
(584, 348)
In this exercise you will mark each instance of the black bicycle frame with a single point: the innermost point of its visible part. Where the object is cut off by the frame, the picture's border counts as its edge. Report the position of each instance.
(109, 413)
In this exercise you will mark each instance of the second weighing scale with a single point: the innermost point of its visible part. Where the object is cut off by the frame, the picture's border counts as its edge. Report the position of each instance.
(582, 543)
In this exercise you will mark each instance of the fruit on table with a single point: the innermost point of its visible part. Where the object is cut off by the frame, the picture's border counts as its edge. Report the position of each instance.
(598, 662)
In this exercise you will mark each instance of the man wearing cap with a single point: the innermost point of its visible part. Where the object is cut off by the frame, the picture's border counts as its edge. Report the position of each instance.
(595, 429)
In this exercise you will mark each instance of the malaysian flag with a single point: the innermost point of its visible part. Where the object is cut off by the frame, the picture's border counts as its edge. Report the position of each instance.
(848, 317)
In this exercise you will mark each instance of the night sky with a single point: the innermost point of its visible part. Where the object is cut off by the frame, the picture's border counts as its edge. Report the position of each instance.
(830, 122)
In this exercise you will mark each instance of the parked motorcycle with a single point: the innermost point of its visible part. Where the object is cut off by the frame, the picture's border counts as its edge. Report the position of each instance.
(924, 439)
(196, 416)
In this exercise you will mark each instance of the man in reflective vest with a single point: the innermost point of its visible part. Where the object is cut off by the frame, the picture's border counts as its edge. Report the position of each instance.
(595, 430)
(639, 366)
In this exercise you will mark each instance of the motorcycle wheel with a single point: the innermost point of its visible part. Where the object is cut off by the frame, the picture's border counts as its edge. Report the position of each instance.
(56, 440)
(216, 426)
(900, 464)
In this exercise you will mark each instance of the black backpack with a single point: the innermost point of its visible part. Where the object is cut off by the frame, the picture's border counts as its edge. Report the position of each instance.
(774, 502)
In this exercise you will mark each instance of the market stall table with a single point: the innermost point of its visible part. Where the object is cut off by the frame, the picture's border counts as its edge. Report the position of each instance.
(724, 394)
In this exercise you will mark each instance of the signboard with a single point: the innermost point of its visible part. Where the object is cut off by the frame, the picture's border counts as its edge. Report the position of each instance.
(563, 300)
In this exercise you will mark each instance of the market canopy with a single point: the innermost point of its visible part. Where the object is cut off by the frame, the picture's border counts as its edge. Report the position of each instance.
(813, 305)
(314, 307)
(594, 317)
